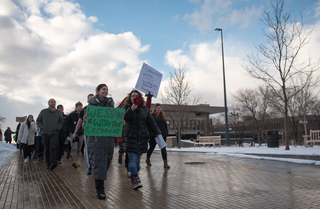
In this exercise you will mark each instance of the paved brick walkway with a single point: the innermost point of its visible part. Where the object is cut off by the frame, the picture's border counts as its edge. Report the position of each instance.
(222, 182)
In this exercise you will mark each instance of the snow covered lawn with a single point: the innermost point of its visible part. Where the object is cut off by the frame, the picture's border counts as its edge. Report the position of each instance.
(6, 152)
(242, 152)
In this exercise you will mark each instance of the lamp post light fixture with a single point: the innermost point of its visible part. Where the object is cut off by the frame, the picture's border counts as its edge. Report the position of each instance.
(225, 93)
(304, 122)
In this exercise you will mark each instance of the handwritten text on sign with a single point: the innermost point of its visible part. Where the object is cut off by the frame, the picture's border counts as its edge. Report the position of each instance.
(149, 80)
(104, 121)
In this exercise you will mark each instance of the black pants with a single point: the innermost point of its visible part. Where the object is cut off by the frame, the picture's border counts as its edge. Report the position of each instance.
(27, 149)
(62, 139)
(40, 147)
(51, 143)
(82, 148)
(153, 143)
(121, 148)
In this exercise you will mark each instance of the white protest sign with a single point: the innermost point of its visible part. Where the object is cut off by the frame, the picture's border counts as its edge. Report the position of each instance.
(149, 80)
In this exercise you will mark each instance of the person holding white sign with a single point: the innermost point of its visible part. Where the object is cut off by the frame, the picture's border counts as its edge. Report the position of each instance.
(135, 133)
(160, 119)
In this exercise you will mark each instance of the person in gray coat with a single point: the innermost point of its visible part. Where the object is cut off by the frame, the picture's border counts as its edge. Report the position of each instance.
(50, 121)
(100, 148)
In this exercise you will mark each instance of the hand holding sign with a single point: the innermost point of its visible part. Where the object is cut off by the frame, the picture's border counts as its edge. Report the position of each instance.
(104, 121)
(149, 80)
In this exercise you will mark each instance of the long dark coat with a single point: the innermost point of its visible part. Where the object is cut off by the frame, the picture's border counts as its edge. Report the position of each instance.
(100, 148)
(7, 135)
(135, 131)
(162, 124)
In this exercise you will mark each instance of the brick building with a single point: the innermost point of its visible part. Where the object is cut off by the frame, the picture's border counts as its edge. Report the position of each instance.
(246, 130)
(195, 118)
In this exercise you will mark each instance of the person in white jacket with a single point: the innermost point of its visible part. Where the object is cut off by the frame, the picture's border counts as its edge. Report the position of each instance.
(26, 136)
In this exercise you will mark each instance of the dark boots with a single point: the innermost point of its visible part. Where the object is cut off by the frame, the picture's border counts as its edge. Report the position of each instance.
(120, 158)
(165, 164)
(148, 162)
(100, 189)
(68, 154)
(135, 180)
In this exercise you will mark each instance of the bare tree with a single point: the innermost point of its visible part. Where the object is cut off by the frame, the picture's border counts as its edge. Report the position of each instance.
(314, 109)
(235, 115)
(277, 61)
(179, 93)
(298, 107)
(255, 103)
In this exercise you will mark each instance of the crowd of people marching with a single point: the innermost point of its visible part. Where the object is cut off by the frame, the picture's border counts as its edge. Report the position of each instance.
(53, 133)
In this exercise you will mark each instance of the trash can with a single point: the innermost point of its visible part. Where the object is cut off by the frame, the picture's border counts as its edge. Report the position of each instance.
(272, 139)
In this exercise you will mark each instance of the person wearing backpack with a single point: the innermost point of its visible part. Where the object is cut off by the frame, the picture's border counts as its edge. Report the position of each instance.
(63, 134)
(79, 126)
(77, 141)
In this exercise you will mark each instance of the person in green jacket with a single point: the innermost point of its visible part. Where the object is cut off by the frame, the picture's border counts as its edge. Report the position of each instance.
(50, 121)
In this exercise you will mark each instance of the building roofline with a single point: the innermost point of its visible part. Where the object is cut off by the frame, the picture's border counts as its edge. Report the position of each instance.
(199, 108)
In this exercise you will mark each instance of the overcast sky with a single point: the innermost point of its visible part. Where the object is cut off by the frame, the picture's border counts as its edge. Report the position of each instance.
(63, 49)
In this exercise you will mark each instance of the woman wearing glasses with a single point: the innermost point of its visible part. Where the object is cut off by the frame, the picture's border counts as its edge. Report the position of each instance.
(135, 133)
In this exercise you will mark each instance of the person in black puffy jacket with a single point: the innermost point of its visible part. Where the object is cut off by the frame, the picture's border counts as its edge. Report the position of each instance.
(135, 133)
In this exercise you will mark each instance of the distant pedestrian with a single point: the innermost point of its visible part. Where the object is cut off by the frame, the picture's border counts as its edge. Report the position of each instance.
(160, 119)
(100, 148)
(79, 126)
(78, 140)
(178, 135)
(240, 144)
(15, 138)
(26, 137)
(7, 135)
(198, 136)
(0, 135)
(135, 133)
(63, 134)
(50, 121)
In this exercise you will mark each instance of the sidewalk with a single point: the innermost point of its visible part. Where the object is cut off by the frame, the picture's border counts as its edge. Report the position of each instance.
(207, 181)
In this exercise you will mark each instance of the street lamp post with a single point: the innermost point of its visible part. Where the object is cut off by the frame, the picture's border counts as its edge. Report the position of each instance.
(225, 93)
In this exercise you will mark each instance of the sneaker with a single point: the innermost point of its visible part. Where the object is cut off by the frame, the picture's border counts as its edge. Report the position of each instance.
(135, 182)
(129, 174)
(26, 160)
(101, 195)
(89, 172)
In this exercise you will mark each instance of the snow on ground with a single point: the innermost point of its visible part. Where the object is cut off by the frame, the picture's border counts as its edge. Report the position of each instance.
(244, 152)
(6, 152)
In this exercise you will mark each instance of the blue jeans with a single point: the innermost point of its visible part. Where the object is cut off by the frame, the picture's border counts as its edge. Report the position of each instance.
(134, 162)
